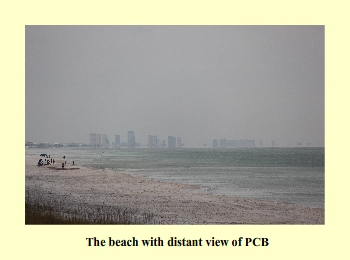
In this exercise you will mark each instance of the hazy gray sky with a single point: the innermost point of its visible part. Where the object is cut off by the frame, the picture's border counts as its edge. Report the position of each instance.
(198, 82)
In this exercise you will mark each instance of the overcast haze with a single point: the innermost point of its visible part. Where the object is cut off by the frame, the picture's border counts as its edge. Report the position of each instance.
(197, 82)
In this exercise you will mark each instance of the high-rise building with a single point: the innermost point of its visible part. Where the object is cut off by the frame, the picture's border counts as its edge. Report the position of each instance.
(171, 142)
(98, 140)
(223, 143)
(131, 140)
(117, 141)
(215, 143)
(104, 141)
(152, 141)
(91, 139)
(95, 140)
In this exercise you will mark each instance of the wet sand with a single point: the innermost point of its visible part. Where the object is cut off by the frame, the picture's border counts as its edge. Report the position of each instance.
(172, 203)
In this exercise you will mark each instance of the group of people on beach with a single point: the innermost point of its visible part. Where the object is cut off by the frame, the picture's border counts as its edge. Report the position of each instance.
(50, 161)
(47, 162)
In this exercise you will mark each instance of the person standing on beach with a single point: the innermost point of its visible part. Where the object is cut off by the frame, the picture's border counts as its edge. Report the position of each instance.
(62, 165)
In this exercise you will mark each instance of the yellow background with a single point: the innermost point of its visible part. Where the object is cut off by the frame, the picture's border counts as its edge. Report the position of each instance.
(69, 242)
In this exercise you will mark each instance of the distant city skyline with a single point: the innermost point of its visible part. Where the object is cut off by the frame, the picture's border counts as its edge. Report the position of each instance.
(97, 140)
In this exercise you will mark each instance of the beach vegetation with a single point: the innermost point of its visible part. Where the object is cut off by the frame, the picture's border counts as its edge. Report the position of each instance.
(50, 210)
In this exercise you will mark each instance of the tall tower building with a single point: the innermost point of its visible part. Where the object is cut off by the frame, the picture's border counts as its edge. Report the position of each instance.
(215, 143)
(117, 141)
(95, 140)
(104, 141)
(171, 142)
(152, 141)
(131, 140)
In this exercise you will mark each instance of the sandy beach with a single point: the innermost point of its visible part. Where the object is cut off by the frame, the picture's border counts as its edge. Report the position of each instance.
(171, 203)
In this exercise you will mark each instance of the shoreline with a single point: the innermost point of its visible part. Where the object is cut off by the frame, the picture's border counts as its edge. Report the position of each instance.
(171, 203)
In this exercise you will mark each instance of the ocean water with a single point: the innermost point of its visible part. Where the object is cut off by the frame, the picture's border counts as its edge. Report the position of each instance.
(286, 175)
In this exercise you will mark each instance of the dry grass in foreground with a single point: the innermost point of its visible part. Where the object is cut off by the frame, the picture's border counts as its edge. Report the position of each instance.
(40, 210)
